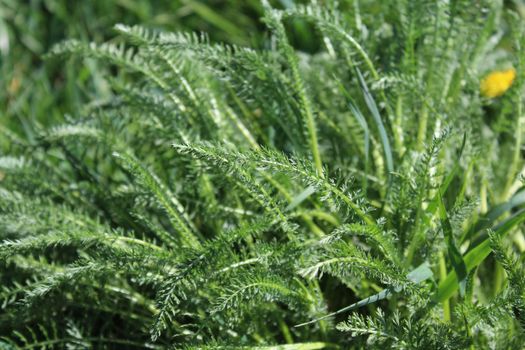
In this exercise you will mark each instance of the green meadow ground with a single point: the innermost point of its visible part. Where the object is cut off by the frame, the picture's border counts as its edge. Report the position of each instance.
(262, 175)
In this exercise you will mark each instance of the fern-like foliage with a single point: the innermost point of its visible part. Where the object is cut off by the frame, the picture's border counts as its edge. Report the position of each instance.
(362, 195)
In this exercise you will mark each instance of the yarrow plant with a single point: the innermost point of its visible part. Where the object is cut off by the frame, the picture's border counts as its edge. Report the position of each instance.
(365, 195)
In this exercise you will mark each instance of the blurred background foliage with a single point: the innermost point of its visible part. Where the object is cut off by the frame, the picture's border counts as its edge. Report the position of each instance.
(35, 93)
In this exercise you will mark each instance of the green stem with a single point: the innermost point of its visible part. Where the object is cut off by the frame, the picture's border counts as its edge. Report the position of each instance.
(398, 126)
(483, 197)
(285, 330)
(442, 276)
(139, 242)
(422, 131)
(516, 156)
(310, 123)
(298, 85)
(499, 279)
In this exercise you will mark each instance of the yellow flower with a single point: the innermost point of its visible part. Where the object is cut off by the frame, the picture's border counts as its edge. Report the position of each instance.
(496, 83)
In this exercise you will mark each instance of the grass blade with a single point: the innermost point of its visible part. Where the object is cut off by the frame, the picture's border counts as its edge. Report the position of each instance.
(495, 213)
(476, 256)
(418, 275)
(372, 106)
(363, 124)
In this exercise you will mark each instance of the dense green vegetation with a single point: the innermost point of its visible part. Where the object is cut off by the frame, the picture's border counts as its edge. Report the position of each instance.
(321, 176)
